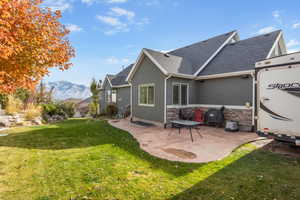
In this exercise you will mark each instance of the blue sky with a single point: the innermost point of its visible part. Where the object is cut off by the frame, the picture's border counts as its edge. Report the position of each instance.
(109, 34)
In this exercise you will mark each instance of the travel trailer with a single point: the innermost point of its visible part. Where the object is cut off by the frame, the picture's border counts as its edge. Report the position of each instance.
(278, 98)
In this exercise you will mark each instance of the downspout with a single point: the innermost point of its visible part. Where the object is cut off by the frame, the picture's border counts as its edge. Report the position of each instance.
(253, 98)
(131, 116)
(165, 109)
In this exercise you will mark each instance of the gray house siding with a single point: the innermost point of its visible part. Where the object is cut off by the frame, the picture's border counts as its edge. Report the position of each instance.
(225, 91)
(123, 98)
(106, 86)
(148, 73)
(192, 96)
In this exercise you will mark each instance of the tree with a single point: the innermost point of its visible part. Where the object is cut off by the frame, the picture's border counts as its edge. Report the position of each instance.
(42, 95)
(32, 41)
(95, 90)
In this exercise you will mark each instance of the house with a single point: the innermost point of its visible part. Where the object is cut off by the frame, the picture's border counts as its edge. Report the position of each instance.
(116, 90)
(209, 74)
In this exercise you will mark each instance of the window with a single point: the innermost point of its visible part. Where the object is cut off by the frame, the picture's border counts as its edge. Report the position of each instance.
(108, 96)
(180, 94)
(146, 95)
(114, 96)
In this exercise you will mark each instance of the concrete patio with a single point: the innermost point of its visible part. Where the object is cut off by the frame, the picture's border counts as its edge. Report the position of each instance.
(168, 144)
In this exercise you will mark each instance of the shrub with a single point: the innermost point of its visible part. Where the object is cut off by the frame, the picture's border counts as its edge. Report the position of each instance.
(111, 110)
(93, 109)
(127, 112)
(13, 105)
(32, 112)
(49, 109)
(53, 109)
(68, 108)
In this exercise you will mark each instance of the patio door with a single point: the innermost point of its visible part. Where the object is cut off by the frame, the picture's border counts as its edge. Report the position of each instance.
(180, 94)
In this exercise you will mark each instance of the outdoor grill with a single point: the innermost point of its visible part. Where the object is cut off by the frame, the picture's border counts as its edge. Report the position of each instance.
(215, 117)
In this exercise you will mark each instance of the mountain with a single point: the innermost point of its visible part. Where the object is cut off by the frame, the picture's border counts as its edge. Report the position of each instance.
(66, 90)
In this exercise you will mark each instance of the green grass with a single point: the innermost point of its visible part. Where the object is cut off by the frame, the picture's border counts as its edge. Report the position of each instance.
(82, 159)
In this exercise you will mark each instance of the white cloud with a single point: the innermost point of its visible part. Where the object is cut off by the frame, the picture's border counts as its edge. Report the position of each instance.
(112, 21)
(296, 25)
(144, 21)
(122, 12)
(293, 43)
(116, 26)
(54, 5)
(277, 16)
(121, 20)
(73, 28)
(265, 30)
(293, 50)
(115, 61)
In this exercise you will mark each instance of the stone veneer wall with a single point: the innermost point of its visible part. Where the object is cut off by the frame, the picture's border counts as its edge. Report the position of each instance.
(243, 116)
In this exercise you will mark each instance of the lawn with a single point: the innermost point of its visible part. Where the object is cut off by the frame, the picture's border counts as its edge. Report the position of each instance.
(86, 159)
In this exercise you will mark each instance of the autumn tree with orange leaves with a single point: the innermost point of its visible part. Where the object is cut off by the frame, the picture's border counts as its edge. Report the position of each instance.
(32, 41)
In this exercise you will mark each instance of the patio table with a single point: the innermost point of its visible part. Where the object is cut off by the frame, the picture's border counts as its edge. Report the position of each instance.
(186, 124)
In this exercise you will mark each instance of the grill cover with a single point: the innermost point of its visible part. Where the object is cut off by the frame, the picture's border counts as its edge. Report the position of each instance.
(215, 116)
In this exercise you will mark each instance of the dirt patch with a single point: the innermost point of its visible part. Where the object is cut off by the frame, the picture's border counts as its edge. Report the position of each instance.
(180, 153)
(283, 148)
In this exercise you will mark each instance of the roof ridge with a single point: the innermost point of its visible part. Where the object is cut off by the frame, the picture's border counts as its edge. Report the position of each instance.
(261, 35)
(228, 33)
(163, 53)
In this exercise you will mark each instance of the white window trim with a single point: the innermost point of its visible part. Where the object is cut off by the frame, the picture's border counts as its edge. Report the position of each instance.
(116, 93)
(106, 97)
(139, 94)
(187, 93)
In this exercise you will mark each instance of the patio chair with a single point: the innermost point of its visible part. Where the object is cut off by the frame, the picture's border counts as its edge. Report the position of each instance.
(199, 117)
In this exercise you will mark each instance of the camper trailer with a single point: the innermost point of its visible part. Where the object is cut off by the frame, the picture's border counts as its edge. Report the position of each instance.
(277, 94)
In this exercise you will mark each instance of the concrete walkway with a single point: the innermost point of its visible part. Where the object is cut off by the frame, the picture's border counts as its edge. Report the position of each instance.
(168, 144)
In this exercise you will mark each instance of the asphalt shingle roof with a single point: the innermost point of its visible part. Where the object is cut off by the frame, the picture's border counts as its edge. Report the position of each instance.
(120, 78)
(241, 55)
(195, 55)
(169, 62)
(238, 56)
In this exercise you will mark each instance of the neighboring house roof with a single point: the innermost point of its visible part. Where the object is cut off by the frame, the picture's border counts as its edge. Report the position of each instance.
(120, 78)
(241, 55)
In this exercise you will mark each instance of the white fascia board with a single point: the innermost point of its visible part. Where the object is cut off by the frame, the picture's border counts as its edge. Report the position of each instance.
(214, 55)
(155, 62)
(133, 69)
(183, 76)
(121, 86)
(274, 45)
(224, 75)
(210, 106)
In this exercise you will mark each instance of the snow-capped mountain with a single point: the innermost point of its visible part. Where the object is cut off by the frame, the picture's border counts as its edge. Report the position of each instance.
(64, 90)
